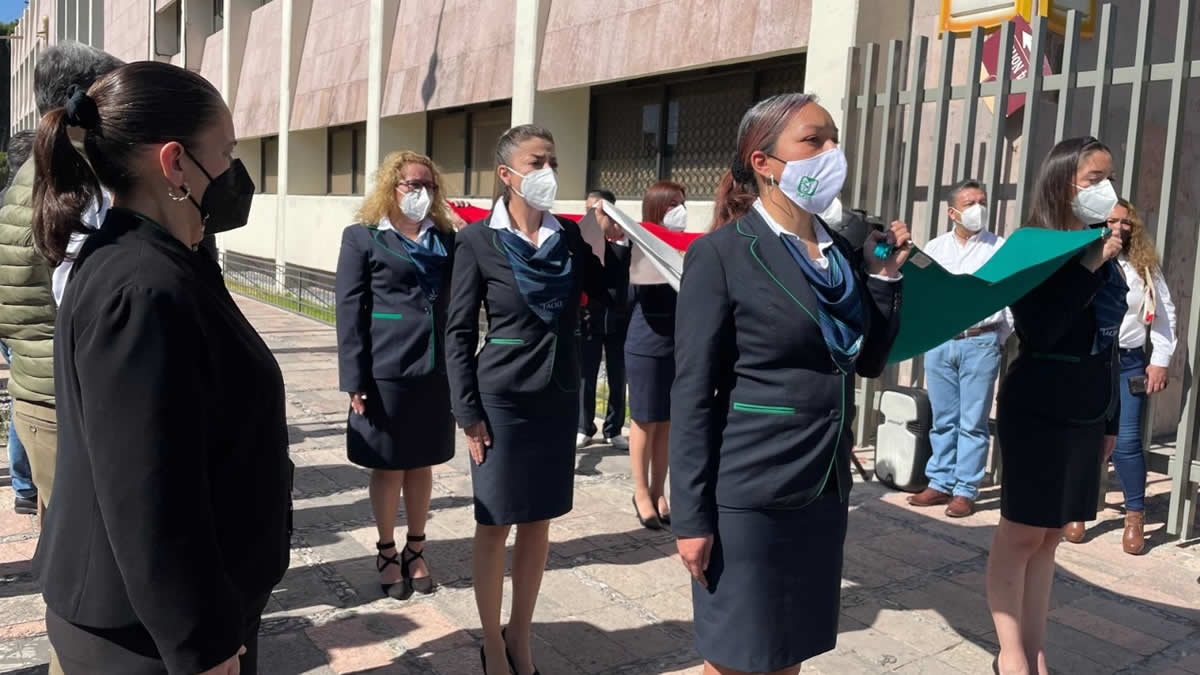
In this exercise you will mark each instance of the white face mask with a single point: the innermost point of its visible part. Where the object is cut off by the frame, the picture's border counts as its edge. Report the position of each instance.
(813, 183)
(538, 188)
(415, 205)
(833, 215)
(676, 219)
(1093, 203)
(973, 218)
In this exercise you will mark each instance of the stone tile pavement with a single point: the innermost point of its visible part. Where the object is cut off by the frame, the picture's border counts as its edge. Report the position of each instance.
(615, 598)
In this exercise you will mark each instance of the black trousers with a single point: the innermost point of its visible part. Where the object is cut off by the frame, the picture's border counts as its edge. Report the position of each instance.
(119, 651)
(608, 340)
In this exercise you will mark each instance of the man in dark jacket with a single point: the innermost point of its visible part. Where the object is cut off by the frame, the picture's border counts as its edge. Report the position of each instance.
(603, 330)
(27, 308)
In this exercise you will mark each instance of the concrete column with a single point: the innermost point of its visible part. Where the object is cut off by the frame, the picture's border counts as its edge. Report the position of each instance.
(375, 77)
(184, 20)
(285, 123)
(227, 54)
(91, 22)
(150, 51)
(831, 32)
(527, 48)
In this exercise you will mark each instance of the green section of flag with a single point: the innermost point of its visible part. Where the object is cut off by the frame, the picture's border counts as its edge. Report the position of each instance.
(938, 305)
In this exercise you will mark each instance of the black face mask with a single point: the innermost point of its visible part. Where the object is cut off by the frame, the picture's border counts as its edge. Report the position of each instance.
(226, 202)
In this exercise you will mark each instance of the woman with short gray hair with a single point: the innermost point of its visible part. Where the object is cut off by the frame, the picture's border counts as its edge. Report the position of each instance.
(517, 398)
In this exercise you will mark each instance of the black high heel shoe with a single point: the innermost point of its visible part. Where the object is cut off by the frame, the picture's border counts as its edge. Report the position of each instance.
(651, 523)
(401, 590)
(424, 585)
(512, 665)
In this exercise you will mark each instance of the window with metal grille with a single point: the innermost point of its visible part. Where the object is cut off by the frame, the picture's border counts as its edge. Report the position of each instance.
(681, 127)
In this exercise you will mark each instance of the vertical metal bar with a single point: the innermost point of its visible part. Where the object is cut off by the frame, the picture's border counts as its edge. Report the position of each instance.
(912, 130)
(1070, 75)
(888, 141)
(1029, 129)
(1181, 512)
(850, 142)
(863, 155)
(995, 161)
(1100, 95)
(1137, 102)
(1171, 159)
(970, 106)
(937, 159)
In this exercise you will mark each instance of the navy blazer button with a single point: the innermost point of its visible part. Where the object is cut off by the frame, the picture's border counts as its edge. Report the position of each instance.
(834, 414)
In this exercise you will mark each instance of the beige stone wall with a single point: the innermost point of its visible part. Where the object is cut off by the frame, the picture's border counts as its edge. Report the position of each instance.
(210, 60)
(589, 42)
(331, 86)
(127, 29)
(449, 54)
(256, 108)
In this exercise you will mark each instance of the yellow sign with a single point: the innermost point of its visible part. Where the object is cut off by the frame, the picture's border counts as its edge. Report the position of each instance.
(960, 16)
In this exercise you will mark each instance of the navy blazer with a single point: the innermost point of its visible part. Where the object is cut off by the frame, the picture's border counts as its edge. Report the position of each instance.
(520, 354)
(386, 327)
(760, 417)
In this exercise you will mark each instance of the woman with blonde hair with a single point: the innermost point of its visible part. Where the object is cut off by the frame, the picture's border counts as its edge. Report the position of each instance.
(393, 284)
(1150, 311)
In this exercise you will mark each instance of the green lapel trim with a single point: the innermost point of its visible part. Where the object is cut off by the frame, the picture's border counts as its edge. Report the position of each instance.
(386, 315)
(376, 237)
(754, 252)
(506, 341)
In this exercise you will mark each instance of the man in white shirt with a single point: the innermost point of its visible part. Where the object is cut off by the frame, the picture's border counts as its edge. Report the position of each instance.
(961, 374)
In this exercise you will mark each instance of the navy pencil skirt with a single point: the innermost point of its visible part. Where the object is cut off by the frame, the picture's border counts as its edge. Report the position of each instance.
(774, 586)
(529, 472)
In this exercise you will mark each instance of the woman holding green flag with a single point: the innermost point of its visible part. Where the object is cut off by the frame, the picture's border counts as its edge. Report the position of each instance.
(1057, 405)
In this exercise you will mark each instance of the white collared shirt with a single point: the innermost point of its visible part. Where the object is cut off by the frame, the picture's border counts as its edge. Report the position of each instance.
(957, 257)
(1162, 328)
(824, 241)
(501, 221)
(385, 224)
(92, 218)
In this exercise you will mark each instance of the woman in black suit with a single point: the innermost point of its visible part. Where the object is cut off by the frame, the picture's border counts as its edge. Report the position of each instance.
(171, 516)
(776, 315)
(1056, 412)
(517, 398)
(393, 286)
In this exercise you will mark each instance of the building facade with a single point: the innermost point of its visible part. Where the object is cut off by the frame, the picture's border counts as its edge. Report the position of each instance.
(321, 90)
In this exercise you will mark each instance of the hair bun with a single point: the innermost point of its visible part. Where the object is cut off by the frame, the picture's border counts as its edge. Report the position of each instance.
(81, 109)
(741, 173)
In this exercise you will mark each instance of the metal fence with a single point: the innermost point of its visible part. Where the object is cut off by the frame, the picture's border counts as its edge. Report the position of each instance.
(892, 147)
(303, 291)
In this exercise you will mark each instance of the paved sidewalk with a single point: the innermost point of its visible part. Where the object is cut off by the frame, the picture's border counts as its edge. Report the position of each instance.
(615, 598)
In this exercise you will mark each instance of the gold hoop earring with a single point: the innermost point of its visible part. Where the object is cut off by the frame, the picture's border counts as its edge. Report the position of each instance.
(187, 192)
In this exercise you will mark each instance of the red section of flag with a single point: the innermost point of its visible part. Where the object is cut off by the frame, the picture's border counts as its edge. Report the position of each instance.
(676, 240)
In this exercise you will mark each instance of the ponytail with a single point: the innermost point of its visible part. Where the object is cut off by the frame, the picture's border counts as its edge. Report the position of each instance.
(64, 186)
(733, 200)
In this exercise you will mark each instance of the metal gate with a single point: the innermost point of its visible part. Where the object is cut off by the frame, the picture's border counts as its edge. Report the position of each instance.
(904, 153)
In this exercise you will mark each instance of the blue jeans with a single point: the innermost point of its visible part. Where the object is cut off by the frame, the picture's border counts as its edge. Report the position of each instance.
(961, 376)
(1128, 457)
(18, 461)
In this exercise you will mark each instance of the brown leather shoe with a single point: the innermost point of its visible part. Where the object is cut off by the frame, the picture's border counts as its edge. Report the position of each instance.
(960, 507)
(1134, 539)
(1074, 532)
(929, 497)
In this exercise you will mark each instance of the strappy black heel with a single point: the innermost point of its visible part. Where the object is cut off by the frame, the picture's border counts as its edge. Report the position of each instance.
(408, 556)
(401, 590)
